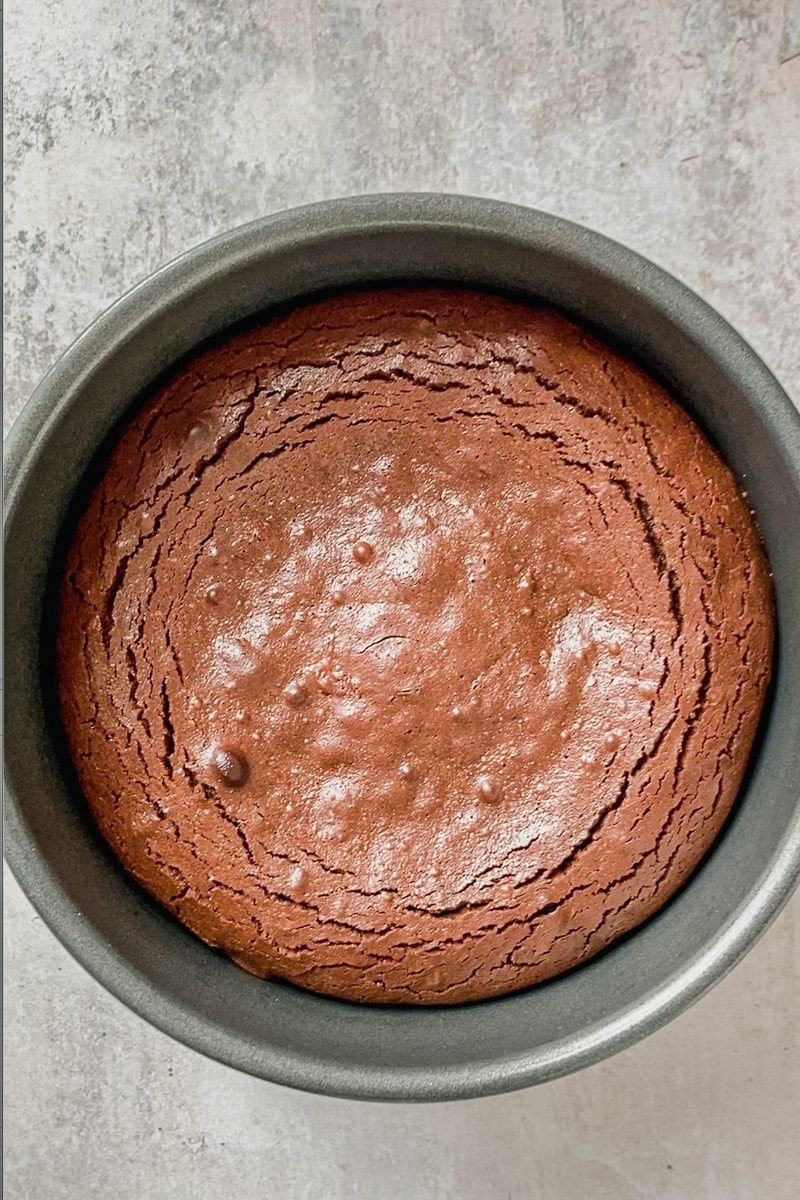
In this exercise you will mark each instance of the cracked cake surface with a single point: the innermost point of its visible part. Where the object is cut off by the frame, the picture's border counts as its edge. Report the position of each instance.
(412, 645)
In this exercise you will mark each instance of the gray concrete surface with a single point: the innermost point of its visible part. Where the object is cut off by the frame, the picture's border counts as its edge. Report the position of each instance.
(137, 129)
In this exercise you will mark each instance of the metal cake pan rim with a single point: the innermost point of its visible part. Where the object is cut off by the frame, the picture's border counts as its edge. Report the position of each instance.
(195, 269)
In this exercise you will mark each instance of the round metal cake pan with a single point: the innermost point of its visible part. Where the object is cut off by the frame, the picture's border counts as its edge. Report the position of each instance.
(152, 963)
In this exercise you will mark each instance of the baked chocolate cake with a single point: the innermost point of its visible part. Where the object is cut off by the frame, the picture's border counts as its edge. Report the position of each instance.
(412, 646)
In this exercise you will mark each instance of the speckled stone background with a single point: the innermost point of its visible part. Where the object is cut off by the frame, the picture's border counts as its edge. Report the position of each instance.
(136, 129)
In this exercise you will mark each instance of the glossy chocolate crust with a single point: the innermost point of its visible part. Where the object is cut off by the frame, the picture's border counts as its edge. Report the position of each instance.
(412, 646)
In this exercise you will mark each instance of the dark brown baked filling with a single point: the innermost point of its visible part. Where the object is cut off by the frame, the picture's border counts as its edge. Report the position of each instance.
(412, 646)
